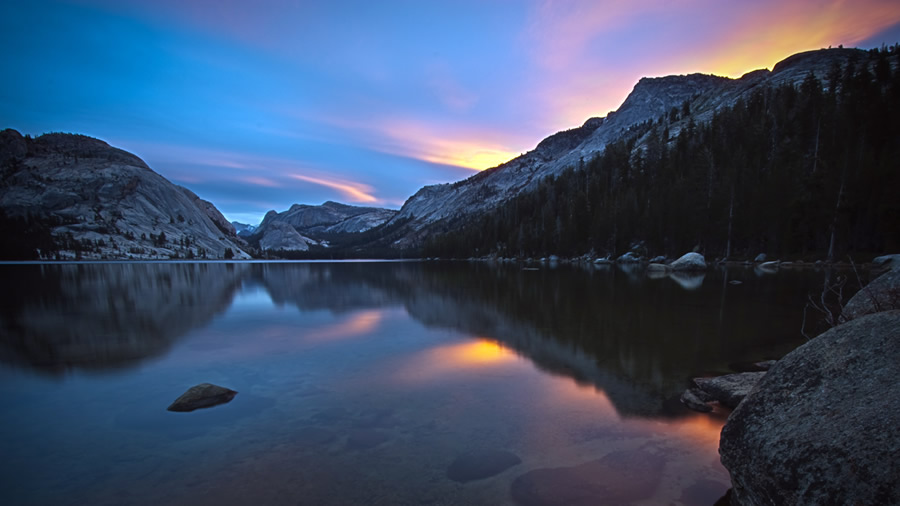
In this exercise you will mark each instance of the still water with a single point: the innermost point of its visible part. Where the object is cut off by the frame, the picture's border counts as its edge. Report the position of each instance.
(363, 383)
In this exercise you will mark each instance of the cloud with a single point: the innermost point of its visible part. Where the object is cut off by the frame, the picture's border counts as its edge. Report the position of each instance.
(352, 191)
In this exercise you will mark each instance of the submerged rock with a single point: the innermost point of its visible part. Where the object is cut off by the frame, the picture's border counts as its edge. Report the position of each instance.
(822, 426)
(689, 262)
(204, 395)
(657, 267)
(621, 477)
(481, 464)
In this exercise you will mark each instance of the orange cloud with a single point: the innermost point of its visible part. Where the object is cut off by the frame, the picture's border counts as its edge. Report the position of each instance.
(469, 149)
(583, 43)
(765, 37)
(353, 191)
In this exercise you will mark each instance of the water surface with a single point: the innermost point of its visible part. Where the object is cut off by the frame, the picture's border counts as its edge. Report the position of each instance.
(361, 383)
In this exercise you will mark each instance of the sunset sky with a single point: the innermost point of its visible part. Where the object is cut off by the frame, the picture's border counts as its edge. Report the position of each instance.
(259, 105)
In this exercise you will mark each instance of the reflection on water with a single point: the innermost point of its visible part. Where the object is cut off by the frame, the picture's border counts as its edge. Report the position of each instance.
(361, 382)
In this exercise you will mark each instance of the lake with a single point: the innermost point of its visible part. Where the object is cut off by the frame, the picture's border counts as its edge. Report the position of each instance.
(365, 382)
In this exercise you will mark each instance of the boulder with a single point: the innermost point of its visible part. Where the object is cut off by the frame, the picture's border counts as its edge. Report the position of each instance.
(760, 258)
(889, 261)
(658, 260)
(481, 464)
(822, 426)
(204, 395)
(629, 258)
(882, 294)
(689, 262)
(729, 389)
(696, 399)
(658, 267)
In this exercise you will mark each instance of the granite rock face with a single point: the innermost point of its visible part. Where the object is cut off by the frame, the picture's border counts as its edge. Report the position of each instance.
(204, 395)
(822, 427)
(279, 235)
(107, 201)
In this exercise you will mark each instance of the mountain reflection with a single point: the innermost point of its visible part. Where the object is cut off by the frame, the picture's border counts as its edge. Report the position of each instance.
(97, 316)
(637, 339)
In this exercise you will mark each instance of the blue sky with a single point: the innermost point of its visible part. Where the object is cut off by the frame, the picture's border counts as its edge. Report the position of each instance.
(259, 105)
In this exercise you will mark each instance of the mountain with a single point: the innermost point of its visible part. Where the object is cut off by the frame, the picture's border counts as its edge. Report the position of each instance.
(70, 196)
(243, 229)
(799, 162)
(682, 100)
(303, 226)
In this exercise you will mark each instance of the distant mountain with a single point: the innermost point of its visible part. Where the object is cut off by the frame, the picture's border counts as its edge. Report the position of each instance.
(443, 208)
(303, 226)
(243, 229)
(66, 196)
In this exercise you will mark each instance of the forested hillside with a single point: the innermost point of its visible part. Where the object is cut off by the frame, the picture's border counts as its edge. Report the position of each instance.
(807, 171)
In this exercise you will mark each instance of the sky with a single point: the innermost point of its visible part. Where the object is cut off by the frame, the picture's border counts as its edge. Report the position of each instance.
(260, 105)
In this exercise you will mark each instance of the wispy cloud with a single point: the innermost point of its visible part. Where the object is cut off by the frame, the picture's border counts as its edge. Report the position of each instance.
(352, 191)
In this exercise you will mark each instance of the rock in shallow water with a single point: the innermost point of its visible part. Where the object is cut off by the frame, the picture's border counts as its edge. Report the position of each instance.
(481, 464)
(204, 395)
(729, 389)
(621, 477)
(822, 426)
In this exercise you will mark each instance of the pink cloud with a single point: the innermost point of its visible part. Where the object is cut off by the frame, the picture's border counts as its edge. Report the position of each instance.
(352, 191)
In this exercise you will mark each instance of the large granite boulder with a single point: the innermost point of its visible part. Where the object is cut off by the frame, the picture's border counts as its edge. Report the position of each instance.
(882, 294)
(822, 426)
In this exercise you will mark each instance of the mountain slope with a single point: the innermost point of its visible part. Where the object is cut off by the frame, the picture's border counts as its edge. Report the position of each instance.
(797, 167)
(78, 197)
(440, 207)
(303, 226)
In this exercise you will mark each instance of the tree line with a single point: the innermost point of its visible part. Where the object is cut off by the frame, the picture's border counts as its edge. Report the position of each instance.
(805, 171)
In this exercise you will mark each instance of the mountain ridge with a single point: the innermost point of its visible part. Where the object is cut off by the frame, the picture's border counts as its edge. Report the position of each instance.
(436, 207)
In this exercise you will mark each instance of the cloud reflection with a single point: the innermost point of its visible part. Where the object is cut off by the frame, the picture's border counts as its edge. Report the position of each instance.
(355, 325)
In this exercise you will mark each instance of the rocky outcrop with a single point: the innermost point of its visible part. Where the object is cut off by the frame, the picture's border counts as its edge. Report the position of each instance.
(96, 201)
(279, 235)
(882, 294)
(728, 390)
(204, 395)
(822, 426)
(304, 225)
(689, 262)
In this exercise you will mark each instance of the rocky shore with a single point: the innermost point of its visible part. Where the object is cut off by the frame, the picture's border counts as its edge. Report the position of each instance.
(821, 426)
